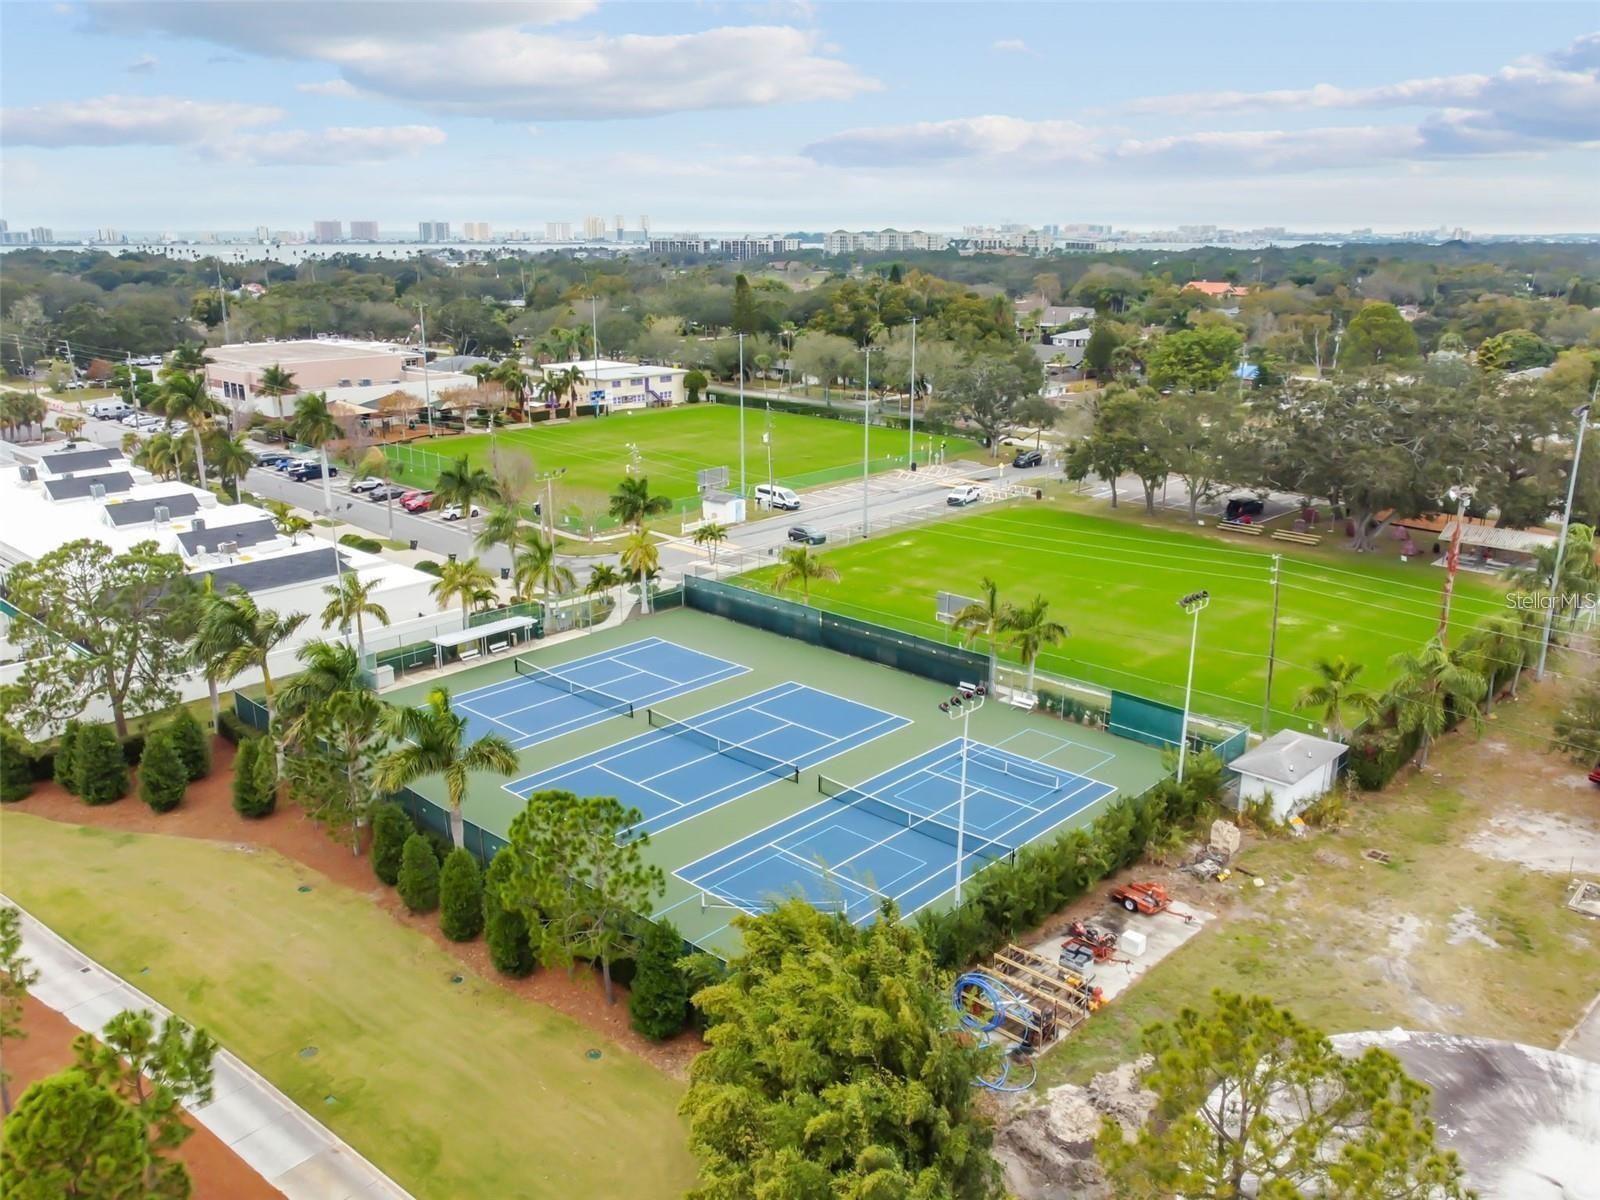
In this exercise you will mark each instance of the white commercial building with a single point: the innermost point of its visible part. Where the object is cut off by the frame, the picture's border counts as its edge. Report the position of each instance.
(883, 241)
(1293, 768)
(622, 385)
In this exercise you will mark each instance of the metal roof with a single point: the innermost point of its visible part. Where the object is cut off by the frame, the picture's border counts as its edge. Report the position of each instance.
(72, 487)
(64, 462)
(1518, 541)
(1288, 757)
(478, 632)
(143, 510)
(276, 571)
(246, 533)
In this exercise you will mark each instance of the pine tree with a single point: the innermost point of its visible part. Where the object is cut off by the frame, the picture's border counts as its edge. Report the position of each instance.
(69, 1136)
(419, 875)
(266, 787)
(193, 744)
(390, 829)
(255, 778)
(460, 896)
(658, 999)
(66, 767)
(16, 766)
(98, 765)
(163, 777)
(505, 929)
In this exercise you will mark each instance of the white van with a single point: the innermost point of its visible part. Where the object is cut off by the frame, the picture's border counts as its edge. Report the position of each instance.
(772, 495)
(110, 410)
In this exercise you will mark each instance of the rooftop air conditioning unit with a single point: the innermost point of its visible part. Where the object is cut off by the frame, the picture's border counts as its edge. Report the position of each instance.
(200, 550)
(162, 514)
(227, 547)
(97, 491)
(199, 523)
(30, 474)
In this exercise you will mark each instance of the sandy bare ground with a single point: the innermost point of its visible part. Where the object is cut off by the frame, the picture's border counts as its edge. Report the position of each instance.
(1541, 841)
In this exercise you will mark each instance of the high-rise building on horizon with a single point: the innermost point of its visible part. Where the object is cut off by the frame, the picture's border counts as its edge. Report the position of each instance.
(433, 231)
(327, 231)
(41, 235)
(558, 231)
(594, 228)
(644, 224)
(475, 231)
(363, 231)
(263, 233)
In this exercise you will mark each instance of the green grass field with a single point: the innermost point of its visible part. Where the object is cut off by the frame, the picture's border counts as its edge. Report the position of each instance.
(673, 444)
(453, 1089)
(1115, 584)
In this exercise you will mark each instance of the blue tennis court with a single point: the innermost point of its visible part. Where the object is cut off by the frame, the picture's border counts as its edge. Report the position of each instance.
(894, 836)
(679, 769)
(538, 703)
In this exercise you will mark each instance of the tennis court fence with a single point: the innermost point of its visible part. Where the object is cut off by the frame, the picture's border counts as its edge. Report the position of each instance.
(925, 824)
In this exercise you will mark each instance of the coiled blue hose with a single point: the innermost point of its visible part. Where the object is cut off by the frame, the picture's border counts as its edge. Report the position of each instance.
(1003, 1001)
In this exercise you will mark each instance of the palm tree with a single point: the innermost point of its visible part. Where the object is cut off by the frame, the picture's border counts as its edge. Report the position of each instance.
(233, 460)
(985, 618)
(375, 464)
(184, 398)
(71, 426)
(712, 535)
(205, 657)
(632, 502)
(1336, 693)
(237, 635)
(351, 600)
(1579, 574)
(500, 528)
(1031, 630)
(509, 374)
(464, 484)
(188, 358)
(640, 558)
(330, 668)
(158, 455)
(314, 425)
(277, 383)
(1496, 649)
(797, 565)
(535, 566)
(465, 581)
(290, 523)
(603, 580)
(432, 741)
(1429, 685)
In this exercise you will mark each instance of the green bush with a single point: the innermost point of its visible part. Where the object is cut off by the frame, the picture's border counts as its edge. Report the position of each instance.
(232, 727)
(390, 829)
(255, 778)
(428, 567)
(658, 1004)
(505, 930)
(98, 765)
(66, 766)
(442, 846)
(163, 775)
(460, 896)
(16, 766)
(192, 742)
(419, 875)
(357, 541)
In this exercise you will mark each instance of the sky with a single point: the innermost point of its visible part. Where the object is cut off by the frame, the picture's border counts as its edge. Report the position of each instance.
(786, 115)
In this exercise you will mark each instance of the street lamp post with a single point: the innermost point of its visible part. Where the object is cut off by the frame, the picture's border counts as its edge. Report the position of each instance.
(960, 707)
(742, 491)
(1582, 413)
(866, 439)
(911, 404)
(427, 391)
(1193, 604)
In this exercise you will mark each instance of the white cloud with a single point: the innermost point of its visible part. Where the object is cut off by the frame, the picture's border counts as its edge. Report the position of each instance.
(328, 87)
(143, 65)
(492, 60)
(130, 121)
(1039, 142)
(1012, 46)
(337, 146)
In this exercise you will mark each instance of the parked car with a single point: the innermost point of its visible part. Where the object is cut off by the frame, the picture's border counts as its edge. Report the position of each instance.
(1028, 458)
(386, 491)
(809, 534)
(776, 496)
(310, 470)
(289, 463)
(370, 484)
(452, 512)
(1243, 506)
(416, 501)
(110, 410)
(966, 494)
(273, 459)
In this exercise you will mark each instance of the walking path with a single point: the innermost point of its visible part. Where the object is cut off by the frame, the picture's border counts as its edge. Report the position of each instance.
(274, 1136)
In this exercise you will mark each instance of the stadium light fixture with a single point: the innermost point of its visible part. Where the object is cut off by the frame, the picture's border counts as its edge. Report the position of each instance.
(1194, 604)
(960, 707)
(1582, 413)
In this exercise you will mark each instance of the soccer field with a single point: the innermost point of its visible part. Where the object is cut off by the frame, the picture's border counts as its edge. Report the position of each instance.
(672, 444)
(1115, 584)
(452, 1088)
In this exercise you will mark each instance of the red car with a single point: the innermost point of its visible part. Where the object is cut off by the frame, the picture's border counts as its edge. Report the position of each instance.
(1594, 776)
(416, 501)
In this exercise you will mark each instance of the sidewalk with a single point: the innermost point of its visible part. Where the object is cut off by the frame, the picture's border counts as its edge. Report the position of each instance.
(276, 1138)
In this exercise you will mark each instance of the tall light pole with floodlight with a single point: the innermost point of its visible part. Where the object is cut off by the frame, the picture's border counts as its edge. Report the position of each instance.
(960, 707)
(1582, 413)
(1193, 604)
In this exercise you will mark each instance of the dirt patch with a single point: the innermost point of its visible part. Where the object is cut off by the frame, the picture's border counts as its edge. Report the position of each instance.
(215, 1169)
(207, 814)
(1047, 1152)
(1465, 927)
(1541, 841)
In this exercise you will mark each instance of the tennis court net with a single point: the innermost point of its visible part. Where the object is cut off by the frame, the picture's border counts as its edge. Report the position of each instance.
(737, 751)
(929, 826)
(561, 683)
(1006, 766)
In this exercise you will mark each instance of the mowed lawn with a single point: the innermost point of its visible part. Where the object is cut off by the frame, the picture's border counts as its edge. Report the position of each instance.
(1116, 584)
(675, 443)
(454, 1089)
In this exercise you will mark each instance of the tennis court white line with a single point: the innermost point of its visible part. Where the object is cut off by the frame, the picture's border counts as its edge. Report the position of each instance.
(673, 687)
(490, 689)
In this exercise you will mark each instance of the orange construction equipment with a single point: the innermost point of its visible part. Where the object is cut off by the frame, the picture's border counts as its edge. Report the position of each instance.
(1149, 898)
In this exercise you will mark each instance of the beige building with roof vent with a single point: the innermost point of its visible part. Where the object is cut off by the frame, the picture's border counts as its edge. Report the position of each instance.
(1293, 768)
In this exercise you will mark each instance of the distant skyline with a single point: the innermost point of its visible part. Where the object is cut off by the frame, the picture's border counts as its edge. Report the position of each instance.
(151, 114)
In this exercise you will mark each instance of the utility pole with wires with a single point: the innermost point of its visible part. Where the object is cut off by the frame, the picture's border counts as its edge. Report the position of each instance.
(222, 297)
(911, 404)
(866, 440)
(1452, 559)
(427, 390)
(1582, 413)
(1272, 649)
(742, 490)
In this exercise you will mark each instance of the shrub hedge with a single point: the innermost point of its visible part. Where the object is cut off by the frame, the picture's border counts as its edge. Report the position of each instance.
(98, 765)
(65, 766)
(192, 742)
(658, 1002)
(460, 896)
(255, 778)
(16, 766)
(163, 774)
(419, 875)
(506, 931)
(357, 542)
(390, 829)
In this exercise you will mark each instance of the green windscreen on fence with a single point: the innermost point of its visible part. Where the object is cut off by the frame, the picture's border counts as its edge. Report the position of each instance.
(860, 639)
(1147, 721)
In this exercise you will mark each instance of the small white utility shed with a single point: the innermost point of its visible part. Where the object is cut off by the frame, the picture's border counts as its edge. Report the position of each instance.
(1295, 768)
